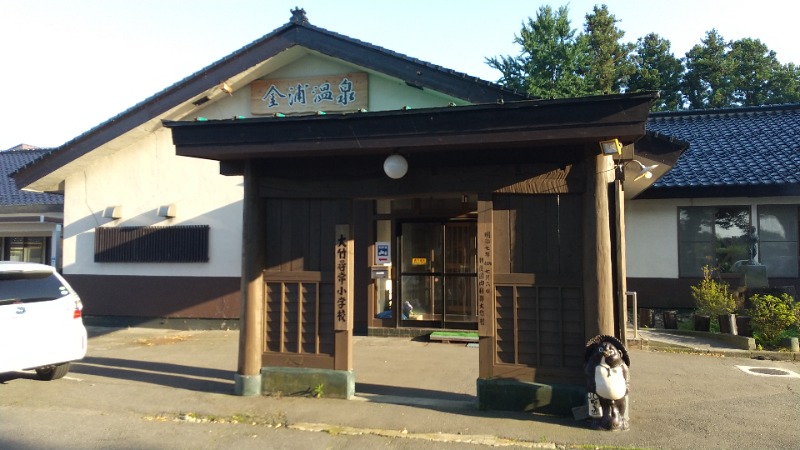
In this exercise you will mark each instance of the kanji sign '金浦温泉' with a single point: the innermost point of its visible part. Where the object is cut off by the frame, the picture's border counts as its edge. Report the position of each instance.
(331, 93)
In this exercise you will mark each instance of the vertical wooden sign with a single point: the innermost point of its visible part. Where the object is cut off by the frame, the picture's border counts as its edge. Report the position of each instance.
(343, 279)
(486, 299)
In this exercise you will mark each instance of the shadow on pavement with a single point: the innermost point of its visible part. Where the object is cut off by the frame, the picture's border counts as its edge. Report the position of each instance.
(449, 402)
(165, 374)
(399, 391)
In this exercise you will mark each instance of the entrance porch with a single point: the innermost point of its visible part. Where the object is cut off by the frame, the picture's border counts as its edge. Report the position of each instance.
(502, 225)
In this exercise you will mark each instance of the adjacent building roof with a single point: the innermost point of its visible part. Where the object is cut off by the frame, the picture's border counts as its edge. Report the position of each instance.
(737, 152)
(237, 70)
(10, 195)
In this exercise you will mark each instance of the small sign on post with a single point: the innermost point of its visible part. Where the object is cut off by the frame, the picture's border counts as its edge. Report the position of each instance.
(343, 279)
(383, 253)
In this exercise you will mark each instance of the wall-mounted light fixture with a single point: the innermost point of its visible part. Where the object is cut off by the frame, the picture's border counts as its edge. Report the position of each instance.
(112, 212)
(168, 211)
(395, 166)
(644, 171)
(611, 147)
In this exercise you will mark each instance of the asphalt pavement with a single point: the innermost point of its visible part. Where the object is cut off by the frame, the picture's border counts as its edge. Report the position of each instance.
(168, 389)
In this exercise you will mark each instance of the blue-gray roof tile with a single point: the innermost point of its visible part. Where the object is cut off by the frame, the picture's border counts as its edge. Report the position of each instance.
(10, 195)
(736, 148)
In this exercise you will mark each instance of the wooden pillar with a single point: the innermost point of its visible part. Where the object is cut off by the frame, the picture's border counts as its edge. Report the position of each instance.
(597, 274)
(622, 284)
(251, 334)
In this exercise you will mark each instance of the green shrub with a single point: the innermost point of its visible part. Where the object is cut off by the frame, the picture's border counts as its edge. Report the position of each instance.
(771, 315)
(712, 297)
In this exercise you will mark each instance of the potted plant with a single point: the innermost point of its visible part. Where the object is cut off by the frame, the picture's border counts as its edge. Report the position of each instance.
(712, 299)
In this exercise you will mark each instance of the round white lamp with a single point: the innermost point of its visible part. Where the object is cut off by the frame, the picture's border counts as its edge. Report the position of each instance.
(395, 166)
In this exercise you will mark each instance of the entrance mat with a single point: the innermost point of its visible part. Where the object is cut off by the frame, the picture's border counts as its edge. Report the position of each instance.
(454, 336)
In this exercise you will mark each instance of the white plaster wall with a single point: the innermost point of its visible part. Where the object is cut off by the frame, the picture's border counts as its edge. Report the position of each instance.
(140, 179)
(651, 231)
(651, 238)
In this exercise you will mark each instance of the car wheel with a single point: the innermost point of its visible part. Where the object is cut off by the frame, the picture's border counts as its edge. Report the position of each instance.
(49, 373)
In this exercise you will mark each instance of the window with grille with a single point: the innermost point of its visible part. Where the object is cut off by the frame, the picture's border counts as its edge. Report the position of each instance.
(174, 244)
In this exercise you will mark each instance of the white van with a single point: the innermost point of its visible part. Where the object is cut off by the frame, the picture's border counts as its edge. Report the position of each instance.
(41, 327)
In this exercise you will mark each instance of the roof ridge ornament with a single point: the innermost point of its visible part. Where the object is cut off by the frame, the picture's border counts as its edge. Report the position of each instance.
(299, 16)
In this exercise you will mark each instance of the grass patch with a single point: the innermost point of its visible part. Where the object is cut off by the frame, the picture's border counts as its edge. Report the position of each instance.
(462, 336)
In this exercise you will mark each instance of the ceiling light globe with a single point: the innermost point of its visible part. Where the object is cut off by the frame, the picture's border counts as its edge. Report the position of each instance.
(395, 166)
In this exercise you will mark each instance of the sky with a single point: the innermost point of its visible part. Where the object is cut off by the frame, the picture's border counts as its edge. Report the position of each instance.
(67, 66)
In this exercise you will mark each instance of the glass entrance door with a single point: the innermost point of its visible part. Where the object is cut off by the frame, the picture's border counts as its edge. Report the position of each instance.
(438, 273)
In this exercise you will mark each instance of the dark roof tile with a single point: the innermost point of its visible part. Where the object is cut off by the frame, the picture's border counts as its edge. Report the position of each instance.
(733, 147)
(10, 195)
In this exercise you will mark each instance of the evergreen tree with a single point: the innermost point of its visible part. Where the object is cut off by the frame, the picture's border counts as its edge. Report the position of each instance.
(707, 83)
(551, 60)
(657, 69)
(556, 61)
(753, 65)
(784, 86)
(609, 66)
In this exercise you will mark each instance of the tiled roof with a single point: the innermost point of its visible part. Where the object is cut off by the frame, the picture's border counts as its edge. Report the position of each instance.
(735, 149)
(11, 160)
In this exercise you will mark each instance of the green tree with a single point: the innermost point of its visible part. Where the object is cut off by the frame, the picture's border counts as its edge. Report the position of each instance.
(707, 82)
(551, 59)
(784, 85)
(657, 69)
(609, 66)
(752, 68)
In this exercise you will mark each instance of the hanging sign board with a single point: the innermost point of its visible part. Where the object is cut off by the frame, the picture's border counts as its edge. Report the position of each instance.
(331, 93)
(383, 253)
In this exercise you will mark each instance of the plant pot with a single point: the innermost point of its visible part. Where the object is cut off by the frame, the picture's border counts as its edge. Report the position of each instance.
(647, 318)
(702, 323)
(670, 320)
(727, 323)
(743, 326)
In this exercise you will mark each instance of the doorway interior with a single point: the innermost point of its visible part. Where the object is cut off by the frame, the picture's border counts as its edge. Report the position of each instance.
(438, 274)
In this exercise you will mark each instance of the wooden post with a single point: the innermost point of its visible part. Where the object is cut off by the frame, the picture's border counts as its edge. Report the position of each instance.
(622, 284)
(597, 274)
(343, 295)
(486, 289)
(251, 324)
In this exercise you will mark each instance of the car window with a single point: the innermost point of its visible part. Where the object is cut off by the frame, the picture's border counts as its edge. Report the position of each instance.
(30, 287)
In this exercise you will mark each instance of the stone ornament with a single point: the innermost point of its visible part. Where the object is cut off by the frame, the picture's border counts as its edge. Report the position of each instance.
(606, 366)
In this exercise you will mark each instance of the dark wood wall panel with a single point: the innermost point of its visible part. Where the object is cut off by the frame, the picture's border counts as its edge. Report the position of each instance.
(299, 276)
(164, 296)
(538, 260)
(537, 234)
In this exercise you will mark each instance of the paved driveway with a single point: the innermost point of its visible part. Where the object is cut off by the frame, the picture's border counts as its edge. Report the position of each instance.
(160, 389)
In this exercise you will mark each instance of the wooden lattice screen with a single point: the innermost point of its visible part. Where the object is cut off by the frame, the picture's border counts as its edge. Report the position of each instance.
(540, 326)
(297, 321)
